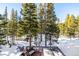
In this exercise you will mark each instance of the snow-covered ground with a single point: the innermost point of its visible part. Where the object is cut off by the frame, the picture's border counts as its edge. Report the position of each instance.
(14, 51)
(69, 47)
(6, 51)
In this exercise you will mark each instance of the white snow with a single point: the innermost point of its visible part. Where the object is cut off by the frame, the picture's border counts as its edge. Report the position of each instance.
(69, 47)
(7, 51)
(47, 52)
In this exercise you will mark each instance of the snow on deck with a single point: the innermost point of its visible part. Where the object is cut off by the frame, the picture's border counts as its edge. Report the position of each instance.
(47, 52)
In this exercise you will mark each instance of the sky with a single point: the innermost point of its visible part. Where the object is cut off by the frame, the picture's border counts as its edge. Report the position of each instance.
(61, 9)
(15, 6)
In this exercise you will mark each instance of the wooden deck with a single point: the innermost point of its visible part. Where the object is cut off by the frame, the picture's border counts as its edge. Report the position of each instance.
(38, 51)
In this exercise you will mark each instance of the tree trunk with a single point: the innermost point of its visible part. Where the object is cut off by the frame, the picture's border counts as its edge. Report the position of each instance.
(13, 40)
(41, 31)
(36, 40)
(41, 36)
(50, 40)
(30, 42)
(45, 40)
(7, 39)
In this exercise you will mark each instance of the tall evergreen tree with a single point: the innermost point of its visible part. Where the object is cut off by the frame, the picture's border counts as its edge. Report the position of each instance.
(30, 20)
(70, 25)
(6, 22)
(47, 15)
(41, 18)
(52, 28)
(77, 25)
(16, 22)
(12, 25)
(2, 35)
(2, 28)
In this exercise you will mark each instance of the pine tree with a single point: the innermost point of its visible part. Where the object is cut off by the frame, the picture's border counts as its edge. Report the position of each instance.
(41, 18)
(12, 25)
(52, 28)
(50, 12)
(30, 20)
(70, 25)
(76, 24)
(2, 28)
(20, 27)
(62, 28)
(16, 23)
(6, 22)
(47, 17)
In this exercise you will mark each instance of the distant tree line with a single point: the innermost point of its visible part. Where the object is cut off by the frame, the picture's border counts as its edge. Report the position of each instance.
(70, 27)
